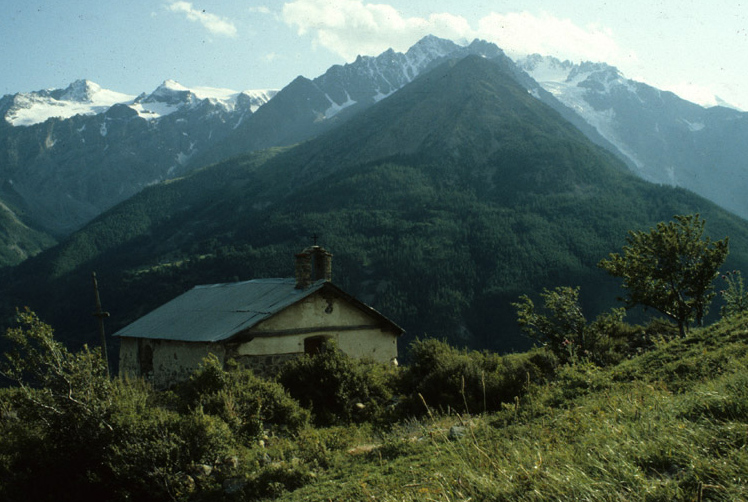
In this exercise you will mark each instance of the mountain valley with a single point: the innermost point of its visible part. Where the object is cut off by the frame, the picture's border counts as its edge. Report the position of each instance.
(442, 204)
(67, 155)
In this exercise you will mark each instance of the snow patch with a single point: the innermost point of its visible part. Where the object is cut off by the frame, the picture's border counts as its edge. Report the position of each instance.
(84, 97)
(336, 108)
(379, 96)
(184, 157)
(570, 84)
(154, 110)
(694, 126)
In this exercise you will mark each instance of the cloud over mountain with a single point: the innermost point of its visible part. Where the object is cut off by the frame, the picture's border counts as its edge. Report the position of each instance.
(352, 27)
(212, 22)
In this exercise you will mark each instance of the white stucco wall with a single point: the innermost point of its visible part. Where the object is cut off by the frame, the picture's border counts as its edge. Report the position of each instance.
(365, 343)
(355, 332)
(315, 311)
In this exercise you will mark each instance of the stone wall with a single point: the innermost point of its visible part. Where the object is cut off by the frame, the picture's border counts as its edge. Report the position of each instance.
(162, 362)
(264, 366)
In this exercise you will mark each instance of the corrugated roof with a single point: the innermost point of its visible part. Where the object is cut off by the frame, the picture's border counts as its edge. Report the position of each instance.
(216, 312)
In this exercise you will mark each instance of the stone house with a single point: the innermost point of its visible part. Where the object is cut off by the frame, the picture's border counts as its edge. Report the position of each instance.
(259, 324)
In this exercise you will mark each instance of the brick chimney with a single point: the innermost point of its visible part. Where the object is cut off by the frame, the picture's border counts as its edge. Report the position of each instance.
(313, 264)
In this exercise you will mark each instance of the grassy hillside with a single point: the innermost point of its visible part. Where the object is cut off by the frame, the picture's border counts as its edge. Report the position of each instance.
(666, 424)
(588, 435)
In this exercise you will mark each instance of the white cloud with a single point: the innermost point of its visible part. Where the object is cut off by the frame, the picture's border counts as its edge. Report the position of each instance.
(352, 27)
(259, 10)
(521, 33)
(700, 94)
(213, 23)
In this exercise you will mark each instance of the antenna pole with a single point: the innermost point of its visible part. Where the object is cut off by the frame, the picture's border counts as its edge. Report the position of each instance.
(101, 315)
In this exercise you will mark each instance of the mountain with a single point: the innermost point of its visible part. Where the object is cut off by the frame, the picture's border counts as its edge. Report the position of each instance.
(67, 155)
(442, 204)
(81, 97)
(84, 97)
(306, 108)
(85, 149)
(664, 138)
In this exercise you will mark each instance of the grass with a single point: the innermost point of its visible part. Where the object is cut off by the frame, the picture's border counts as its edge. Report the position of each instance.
(669, 425)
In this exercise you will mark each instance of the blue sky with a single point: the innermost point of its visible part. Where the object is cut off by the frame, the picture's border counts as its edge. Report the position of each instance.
(695, 48)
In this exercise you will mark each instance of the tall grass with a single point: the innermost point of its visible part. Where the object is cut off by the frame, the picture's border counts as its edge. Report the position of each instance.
(665, 426)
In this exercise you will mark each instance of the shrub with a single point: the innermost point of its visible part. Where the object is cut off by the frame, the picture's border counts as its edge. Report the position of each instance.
(446, 378)
(338, 389)
(246, 402)
(561, 325)
(63, 404)
(734, 294)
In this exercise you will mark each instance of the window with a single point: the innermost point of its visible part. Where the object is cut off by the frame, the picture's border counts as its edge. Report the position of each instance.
(314, 344)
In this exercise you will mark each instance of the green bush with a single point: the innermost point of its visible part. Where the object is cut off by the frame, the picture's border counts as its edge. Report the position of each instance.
(63, 410)
(249, 404)
(561, 325)
(445, 378)
(338, 389)
(734, 295)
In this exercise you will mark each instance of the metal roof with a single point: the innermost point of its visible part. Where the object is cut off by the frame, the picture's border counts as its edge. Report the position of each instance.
(216, 312)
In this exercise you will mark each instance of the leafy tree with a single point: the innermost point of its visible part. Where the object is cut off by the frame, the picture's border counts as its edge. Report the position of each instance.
(735, 295)
(66, 399)
(561, 324)
(670, 269)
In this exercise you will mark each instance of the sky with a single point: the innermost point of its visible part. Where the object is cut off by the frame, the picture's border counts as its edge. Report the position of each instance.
(694, 48)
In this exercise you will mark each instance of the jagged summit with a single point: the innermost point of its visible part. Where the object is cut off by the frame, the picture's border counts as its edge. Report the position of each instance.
(431, 47)
(551, 69)
(171, 92)
(82, 91)
(473, 120)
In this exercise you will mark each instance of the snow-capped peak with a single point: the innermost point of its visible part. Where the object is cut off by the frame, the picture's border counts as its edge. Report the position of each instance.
(547, 69)
(82, 97)
(82, 91)
(170, 92)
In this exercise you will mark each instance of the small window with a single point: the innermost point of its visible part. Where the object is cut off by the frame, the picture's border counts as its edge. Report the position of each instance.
(146, 358)
(314, 345)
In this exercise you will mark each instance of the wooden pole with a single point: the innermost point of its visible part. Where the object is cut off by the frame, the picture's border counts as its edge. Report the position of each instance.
(101, 315)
